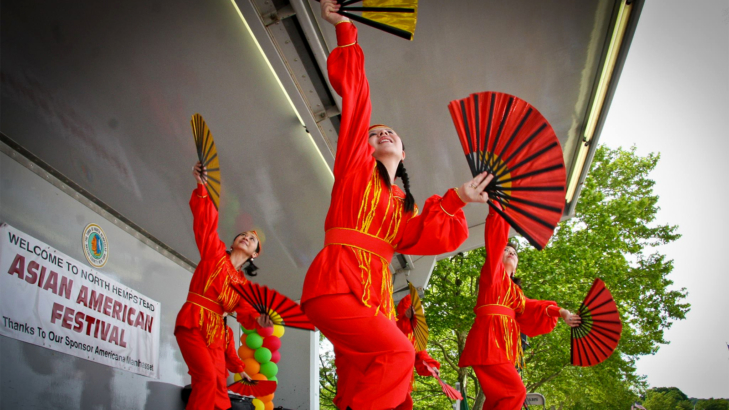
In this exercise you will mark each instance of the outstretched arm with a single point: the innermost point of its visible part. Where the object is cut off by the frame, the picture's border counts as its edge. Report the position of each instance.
(442, 226)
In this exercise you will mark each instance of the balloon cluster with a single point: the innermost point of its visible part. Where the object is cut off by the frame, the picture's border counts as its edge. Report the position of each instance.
(259, 351)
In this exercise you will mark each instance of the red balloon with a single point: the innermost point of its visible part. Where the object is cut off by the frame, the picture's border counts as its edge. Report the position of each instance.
(275, 356)
(272, 343)
(264, 331)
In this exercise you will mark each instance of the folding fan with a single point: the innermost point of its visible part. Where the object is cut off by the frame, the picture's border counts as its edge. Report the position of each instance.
(507, 137)
(596, 338)
(207, 154)
(282, 310)
(420, 327)
(396, 17)
(255, 388)
(449, 391)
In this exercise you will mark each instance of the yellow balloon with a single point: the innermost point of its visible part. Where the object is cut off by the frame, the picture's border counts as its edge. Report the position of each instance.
(278, 330)
(258, 405)
(237, 377)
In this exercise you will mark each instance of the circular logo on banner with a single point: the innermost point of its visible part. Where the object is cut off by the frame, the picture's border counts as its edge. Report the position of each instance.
(96, 247)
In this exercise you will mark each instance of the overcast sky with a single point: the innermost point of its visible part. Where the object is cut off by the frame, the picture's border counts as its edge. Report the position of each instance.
(673, 98)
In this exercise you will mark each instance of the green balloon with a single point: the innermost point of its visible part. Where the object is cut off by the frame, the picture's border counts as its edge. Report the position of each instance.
(269, 369)
(273, 379)
(262, 355)
(254, 341)
(247, 331)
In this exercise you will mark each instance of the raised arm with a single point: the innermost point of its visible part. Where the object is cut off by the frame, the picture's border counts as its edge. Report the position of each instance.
(204, 219)
(496, 235)
(347, 75)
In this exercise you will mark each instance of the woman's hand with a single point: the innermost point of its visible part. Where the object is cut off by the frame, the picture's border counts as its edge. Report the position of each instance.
(264, 321)
(473, 190)
(329, 9)
(200, 173)
(245, 376)
(409, 312)
(571, 319)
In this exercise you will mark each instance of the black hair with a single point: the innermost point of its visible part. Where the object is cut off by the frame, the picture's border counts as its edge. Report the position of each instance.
(402, 174)
(248, 267)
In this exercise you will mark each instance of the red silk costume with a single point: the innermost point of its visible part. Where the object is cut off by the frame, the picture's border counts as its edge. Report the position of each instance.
(493, 346)
(232, 361)
(348, 289)
(200, 328)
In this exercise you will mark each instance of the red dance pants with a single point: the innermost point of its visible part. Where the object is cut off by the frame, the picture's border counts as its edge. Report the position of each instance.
(502, 386)
(206, 366)
(374, 359)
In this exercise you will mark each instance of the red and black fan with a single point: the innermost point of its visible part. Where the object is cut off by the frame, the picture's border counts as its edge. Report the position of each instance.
(255, 388)
(282, 310)
(596, 338)
(396, 17)
(207, 154)
(507, 137)
(449, 391)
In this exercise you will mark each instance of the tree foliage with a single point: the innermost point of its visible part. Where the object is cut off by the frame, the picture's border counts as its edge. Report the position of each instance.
(671, 398)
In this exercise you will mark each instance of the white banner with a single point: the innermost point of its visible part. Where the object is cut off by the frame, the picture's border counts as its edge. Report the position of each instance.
(51, 300)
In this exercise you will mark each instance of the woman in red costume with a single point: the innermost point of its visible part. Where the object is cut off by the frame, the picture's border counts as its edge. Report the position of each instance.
(493, 346)
(348, 289)
(200, 327)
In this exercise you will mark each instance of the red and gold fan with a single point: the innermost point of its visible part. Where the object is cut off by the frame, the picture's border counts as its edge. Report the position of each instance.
(449, 391)
(255, 388)
(596, 338)
(207, 154)
(282, 310)
(420, 327)
(396, 17)
(507, 137)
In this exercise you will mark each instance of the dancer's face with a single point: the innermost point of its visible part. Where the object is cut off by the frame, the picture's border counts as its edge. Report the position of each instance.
(386, 143)
(246, 242)
(511, 259)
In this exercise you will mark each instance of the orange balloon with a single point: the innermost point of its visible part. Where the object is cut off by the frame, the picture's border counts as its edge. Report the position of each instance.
(266, 399)
(257, 376)
(243, 338)
(252, 367)
(245, 352)
(268, 405)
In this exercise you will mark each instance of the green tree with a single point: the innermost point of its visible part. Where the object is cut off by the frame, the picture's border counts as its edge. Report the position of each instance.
(666, 398)
(614, 236)
(712, 404)
(327, 374)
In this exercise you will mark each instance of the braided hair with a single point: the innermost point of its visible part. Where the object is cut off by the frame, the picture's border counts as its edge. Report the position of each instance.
(402, 174)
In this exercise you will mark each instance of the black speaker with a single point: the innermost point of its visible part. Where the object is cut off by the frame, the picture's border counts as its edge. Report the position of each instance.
(237, 401)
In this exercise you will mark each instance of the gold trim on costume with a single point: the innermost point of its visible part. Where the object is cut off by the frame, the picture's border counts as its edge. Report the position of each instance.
(447, 213)
(459, 195)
